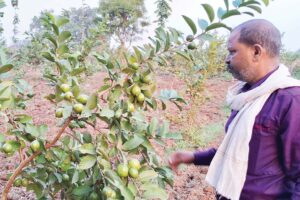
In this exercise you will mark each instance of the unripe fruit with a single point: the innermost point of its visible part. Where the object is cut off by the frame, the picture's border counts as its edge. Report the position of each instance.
(146, 79)
(131, 107)
(135, 90)
(190, 38)
(141, 98)
(81, 124)
(73, 124)
(7, 148)
(147, 93)
(113, 195)
(93, 196)
(68, 96)
(65, 87)
(108, 192)
(78, 107)
(18, 182)
(35, 145)
(82, 98)
(135, 65)
(134, 173)
(134, 163)
(30, 95)
(65, 177)
(59, 113)
(25, 182)
(122, 170)
(192, 46)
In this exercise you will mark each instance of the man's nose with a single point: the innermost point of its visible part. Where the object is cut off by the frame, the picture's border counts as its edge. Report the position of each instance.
(227, 59)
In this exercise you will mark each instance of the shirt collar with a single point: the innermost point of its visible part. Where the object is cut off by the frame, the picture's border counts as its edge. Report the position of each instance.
(247, 86)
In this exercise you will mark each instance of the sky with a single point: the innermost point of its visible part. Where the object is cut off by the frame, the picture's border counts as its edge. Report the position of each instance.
(284, 14)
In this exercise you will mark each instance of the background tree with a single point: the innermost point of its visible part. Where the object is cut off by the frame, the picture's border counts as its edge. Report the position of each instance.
(125, 18)
(163, 11)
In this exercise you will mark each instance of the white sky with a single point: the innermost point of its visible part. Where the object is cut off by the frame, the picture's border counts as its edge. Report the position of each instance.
(284, 14)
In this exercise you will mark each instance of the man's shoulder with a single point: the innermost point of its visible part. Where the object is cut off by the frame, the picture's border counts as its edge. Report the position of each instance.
(287, 95)
(289, 92)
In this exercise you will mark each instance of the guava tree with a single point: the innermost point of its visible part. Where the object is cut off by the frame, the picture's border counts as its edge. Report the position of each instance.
(117, 161)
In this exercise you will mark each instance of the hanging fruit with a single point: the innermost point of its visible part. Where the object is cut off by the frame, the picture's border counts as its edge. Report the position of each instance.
(14, 3)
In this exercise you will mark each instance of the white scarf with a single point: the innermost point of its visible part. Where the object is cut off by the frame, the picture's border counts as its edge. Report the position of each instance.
(228, 169)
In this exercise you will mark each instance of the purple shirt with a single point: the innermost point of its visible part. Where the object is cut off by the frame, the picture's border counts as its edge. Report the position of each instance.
(274, 149)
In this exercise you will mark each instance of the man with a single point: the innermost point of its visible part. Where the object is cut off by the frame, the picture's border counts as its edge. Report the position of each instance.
(259, 158)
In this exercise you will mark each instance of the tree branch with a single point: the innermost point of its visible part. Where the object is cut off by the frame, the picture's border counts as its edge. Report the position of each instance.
(25, 162)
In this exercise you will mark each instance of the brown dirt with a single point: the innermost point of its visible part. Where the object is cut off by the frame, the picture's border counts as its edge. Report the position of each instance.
(189, 183)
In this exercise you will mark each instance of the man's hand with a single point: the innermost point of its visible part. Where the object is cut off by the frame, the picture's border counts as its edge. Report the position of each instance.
(180, 157)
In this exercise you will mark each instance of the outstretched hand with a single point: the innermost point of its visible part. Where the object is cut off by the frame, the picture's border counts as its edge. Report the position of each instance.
(180, 157)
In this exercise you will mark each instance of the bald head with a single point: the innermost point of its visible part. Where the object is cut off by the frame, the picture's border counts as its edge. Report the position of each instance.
(262, 32)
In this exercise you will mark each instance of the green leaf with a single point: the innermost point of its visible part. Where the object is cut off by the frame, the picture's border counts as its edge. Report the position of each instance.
(77, 71)
(87, 162)
(75, 177)
(153, 191)
(6, 68)
(202, 23)
(24, 118)
(108, 113)
(81, 191)
(92, 102)
(2, 138)
(153, 126)
(236, 3)
(209, 11)
(147, 175)
(230, 13)
(249, 13)
(55, 28)
(88, 148)
(138, 54)
(48, 56)
(191, 24)
(61, 21)
(266, 2)
(37, 189)
(167, 173)
(164, 129)
(133, 142)
(157, 46)
(167, 45)
(37, 131)
(63, 36)
(183, 54)
(217, 25)
(51, 39)
(249, 3)
(62, 49)
(220, 12)
(256, 8)
(226, 4)
(104, 87)
(115, 180)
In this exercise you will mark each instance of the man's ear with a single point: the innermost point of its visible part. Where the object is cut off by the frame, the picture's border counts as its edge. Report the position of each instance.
(257, 52)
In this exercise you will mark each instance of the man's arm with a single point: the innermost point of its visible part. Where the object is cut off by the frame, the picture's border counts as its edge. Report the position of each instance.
(188, 157)
(290, 137)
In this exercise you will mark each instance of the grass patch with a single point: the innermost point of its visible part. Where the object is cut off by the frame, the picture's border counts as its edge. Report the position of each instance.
(200, 137)
(296, 73)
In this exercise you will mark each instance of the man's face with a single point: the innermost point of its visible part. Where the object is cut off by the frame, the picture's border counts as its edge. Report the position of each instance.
(239, 60)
